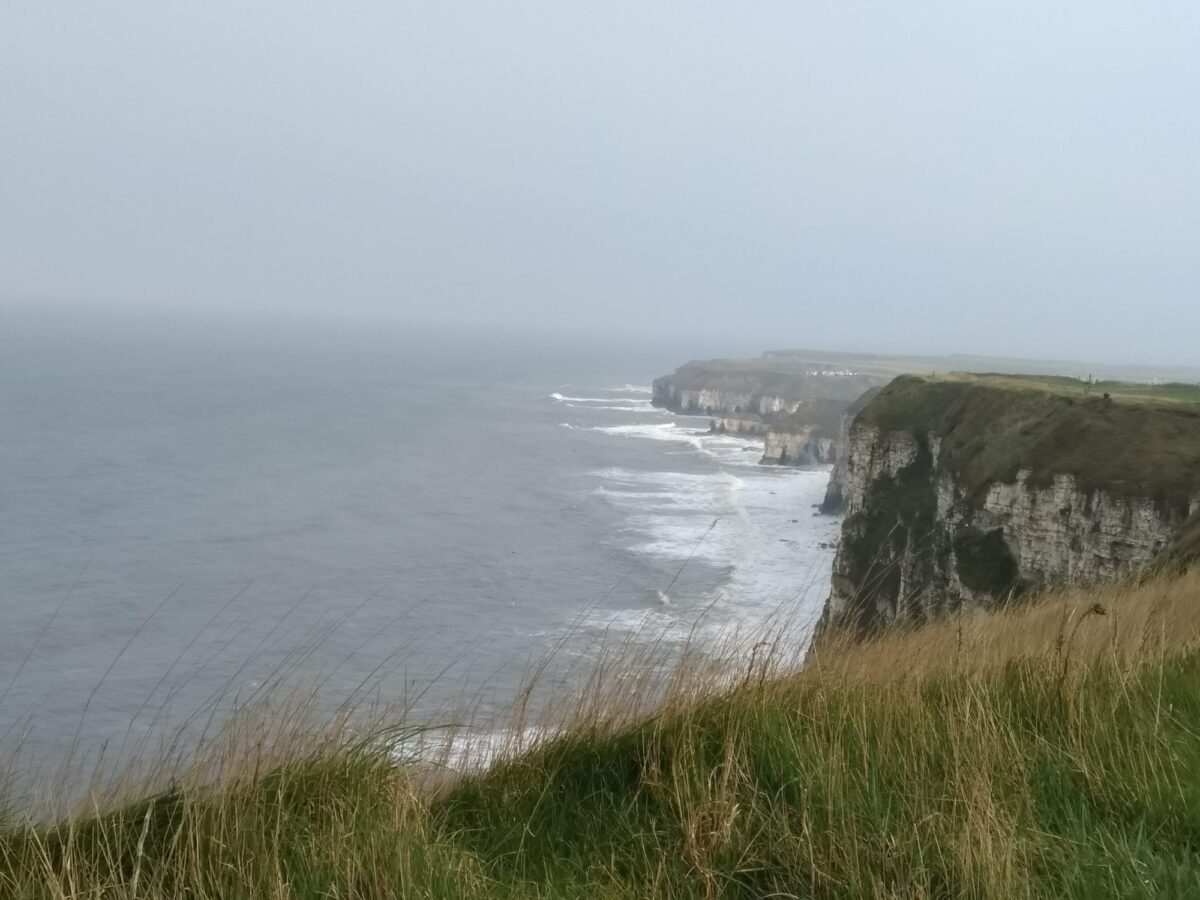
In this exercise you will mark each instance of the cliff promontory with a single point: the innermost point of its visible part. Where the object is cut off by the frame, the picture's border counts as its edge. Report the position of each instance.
(795, 404)
(968, 490)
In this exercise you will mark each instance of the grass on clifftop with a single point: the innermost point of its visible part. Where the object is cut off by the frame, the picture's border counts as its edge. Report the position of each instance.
(1143, 440)
(1048, 751)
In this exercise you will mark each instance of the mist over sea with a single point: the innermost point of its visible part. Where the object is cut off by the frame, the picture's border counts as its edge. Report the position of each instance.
(189, 506)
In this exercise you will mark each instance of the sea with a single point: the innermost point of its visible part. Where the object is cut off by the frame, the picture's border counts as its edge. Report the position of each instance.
(191, 505)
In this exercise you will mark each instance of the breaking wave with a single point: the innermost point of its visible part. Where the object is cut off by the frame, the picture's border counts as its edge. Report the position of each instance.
(642, 405)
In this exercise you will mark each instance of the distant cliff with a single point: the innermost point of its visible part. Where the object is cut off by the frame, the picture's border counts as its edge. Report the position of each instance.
(969, 490)
(806, 436)
(795, 405)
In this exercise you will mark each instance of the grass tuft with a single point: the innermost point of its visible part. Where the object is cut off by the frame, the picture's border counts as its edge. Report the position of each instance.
(1048, 750)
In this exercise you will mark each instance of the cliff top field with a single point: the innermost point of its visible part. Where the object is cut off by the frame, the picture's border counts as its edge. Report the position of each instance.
(1047, 751)
(1134, 392)
(891, 365)
(1143, 439)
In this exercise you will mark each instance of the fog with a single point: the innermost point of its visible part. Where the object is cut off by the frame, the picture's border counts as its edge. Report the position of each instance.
(1011, 179)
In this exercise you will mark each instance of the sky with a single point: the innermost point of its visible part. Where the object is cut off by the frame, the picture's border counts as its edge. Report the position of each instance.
(1014, 178)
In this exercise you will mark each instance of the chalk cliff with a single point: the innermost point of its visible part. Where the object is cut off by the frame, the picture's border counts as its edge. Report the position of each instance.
(795, 405)
(807, 436)
(799, 446)
(835, 500)
(738, 425)
(968, 491)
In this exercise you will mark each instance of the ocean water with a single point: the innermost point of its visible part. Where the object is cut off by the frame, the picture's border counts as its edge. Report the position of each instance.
(189, 507)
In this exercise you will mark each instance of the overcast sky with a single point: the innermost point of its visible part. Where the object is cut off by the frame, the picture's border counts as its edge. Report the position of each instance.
(1015, 178)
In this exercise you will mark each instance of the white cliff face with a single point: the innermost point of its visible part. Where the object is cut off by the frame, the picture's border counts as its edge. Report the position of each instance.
(770, 406)
(835, 493)
(870, 455)
(1060, 533)
(708, 401)
(867, 455)
(801, 447)
(733, 425)
(913, 545)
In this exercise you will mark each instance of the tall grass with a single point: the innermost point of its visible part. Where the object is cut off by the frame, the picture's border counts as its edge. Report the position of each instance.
(1049, 750)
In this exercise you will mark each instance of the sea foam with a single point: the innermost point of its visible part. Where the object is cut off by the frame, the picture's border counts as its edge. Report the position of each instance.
(562, 398)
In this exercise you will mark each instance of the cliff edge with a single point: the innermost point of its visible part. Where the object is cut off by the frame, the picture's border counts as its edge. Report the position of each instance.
(968, 490)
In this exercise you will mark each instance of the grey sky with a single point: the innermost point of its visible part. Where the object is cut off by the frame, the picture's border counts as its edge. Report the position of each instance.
(1016, 177)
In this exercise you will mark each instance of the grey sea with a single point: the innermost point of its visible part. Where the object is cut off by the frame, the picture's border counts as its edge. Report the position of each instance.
(187, 507)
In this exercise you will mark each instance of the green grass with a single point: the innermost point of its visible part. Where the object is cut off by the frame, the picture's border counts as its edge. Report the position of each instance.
(1045, 752)
(1167, 393)
(1142, 441)
(1010, 787)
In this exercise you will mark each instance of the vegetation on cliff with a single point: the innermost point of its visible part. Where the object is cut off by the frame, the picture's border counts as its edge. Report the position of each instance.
(1047, 751)
(1126, 439)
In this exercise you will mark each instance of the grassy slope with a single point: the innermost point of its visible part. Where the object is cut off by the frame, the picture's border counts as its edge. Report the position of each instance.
(1143, 441)
(1048, 751)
